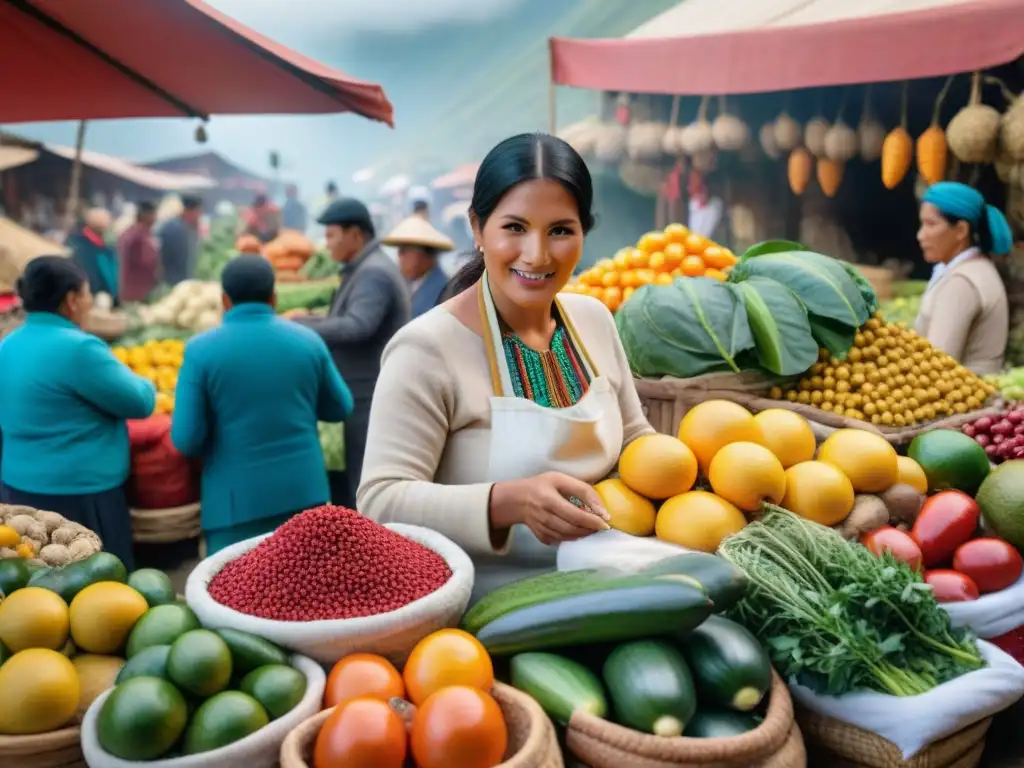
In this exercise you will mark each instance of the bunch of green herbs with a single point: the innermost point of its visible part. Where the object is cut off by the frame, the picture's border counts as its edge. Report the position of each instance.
(837, 619)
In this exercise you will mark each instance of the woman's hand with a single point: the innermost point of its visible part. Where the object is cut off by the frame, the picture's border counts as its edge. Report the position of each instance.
(542, 504)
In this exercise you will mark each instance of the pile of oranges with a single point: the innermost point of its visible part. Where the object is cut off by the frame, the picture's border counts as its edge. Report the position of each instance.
(658, 259)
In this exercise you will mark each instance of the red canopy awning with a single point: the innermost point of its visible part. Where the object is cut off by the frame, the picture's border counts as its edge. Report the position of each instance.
(754, 46)
(95, 59)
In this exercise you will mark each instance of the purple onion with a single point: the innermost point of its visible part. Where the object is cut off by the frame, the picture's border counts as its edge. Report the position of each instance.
(983, 440)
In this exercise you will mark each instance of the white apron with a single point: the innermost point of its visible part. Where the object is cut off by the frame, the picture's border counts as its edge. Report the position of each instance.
(527, 439)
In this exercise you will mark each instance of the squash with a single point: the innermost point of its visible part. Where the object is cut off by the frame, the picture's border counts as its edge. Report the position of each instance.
(973, 133)
(814, 136)
(730, 667)
(870, 132)
(767, 138)
(897, 150)
(697, 136)
(561, 686)
(651, 687)
(787, 132)
(799, 170)
(729, 132)
(248, 244)
(830, 176)
(932, 150)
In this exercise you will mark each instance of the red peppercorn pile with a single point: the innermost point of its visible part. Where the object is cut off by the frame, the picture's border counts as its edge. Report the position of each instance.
(329, 563)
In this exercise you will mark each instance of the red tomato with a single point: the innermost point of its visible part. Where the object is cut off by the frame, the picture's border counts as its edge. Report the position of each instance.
(992, 563)
(946, 520)
(951, 586)
(895, 542)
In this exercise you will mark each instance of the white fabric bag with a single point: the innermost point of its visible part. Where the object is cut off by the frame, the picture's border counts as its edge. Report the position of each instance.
(392, 634)
(258, 750)
(991, 615)
(914, 722)
(614, 549)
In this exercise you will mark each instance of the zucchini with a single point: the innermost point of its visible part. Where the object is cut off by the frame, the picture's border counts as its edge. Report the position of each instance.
(534, 590)
(723, 581)
(719, 724)
(625, 612)
(651, 687)
(71, 579)
(730, 666)
(561, 686)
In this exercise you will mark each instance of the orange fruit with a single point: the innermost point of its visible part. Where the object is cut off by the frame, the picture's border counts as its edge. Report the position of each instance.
(613, 297)
(638, 259)
(652, 241)
(362, 733)
(446, 657)
(645, 276)
(362, 676)
(664, 278)
(677, 272)
(597, 293)
(657, 262)
(676, 233)
(621, 258)
(819, 492)
(658, 466)
(604, 265)
(911, 473)
(628, 279)
(866, 458)
(696, 243)
(590, 277)
(746, 474)
(627, 292)
(674, 254)
(692, 266)
(610, 278)
(788, 435)
(717, 257)
(698, 520)
(715, 423)
(629, 511)
(459, 727)
(715, 274)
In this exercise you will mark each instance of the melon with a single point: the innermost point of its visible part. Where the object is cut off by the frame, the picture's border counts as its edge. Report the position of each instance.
(1001, 499)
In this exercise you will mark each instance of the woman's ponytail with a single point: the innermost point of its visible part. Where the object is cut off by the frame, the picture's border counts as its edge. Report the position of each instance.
(994, 234)
(467, 276)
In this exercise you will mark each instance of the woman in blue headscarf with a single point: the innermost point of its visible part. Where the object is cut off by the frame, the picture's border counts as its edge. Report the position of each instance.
(964, 311)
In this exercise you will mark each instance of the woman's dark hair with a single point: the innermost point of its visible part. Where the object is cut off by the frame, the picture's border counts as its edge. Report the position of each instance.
(977, 231)
(521, 158)
(46, 282)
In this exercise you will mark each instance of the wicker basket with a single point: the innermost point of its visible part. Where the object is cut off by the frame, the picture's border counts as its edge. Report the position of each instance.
(56, 749)
(162, 526)
(776, 743)
(532, 742)
(835, 743)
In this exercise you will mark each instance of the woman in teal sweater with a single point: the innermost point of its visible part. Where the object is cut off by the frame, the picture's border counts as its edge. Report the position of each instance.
(64, 399)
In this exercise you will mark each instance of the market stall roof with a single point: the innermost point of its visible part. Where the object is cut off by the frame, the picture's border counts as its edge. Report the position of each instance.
(15, 157)
(463, 176)
(753, 46)
(149, 178)
(212, 165)
(95, 59)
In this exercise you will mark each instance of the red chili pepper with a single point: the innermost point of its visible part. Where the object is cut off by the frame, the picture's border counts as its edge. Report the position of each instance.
(946, 520)
(329, 563)
(895, 542)
(992, 563)
(951, 586)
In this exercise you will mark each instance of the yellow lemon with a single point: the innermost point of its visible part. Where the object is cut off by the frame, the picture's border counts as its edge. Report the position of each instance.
(709, 425)
(658, 466)
(865, 457)
(818, 491)
(788, 435)
(698, 520)
(911, 473)
(747, 474)
(629, 511)
(103, 614)
(33, 618)
(39, 692)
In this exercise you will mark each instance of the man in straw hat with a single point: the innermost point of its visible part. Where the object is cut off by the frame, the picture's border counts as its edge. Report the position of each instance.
(418, 244)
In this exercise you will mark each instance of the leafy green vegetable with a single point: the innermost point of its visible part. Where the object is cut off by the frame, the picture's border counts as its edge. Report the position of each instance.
(694, 326)
(217, 249)
(865, 288)
(818, 281)
(771, 246)
(836, 618)
(309, 295)
(780, 326)
(836, 337)
(319, 266)
(332, 443)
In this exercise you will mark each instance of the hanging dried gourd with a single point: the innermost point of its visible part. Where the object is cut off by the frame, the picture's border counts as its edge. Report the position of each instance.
(870, 132)
(815, 130)
(830, 176)
(787, 132)
(643, 141)
(1011, 125)
(897, 149)
(841, 139)
(670, 141)
(932, 150)
(697, 136)
(582, 136)
(799, 169)
(973, 133)
(729, 132)
(767, 138)
(610, 143)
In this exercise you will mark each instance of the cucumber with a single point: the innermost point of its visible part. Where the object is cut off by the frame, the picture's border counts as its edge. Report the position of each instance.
(719, 724)
(534, 590)
(730, 666)
(626, 612)
(72, 579)
(723, 581)
(249, 652)
(651, 687)
(561, 686)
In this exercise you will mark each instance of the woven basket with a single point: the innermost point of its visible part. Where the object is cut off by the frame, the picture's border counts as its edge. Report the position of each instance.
(532, 742)
(835, 743)
(667, 400)
(776, 743)
(162, 526)
(56, 749)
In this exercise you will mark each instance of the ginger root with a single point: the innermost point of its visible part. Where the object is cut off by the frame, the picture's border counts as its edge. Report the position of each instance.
(869, 512)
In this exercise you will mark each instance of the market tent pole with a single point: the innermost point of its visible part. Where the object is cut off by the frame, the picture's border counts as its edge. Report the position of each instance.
(74, 188)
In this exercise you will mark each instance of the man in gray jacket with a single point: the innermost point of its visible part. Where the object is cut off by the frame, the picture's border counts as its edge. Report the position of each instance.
(370, 305)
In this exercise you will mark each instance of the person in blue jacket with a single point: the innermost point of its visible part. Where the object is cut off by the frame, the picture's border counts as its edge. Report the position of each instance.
(64, 400)
(248, 399)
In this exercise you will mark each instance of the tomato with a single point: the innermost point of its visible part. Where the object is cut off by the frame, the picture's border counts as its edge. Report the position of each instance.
(895, 542)
(361, 733)
(946, 520)
(992, 563)
(447, 657)
(459, 727)
(362, 676)
(951, 586)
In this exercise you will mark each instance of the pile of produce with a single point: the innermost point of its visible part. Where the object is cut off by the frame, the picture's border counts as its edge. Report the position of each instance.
(191, 305)
(1001, 436)
(438, 710)
(159, 362)
(42, 538)
(319, 266)
(310, 295)
(217, 248)
(329, 563)
(1009, 383)
(289, 252)
(657, 259)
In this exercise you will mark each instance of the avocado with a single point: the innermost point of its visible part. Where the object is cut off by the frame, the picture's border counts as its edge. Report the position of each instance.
(153, 585)
(199, 663)
(278, 687)
(249, 651)
(161, 625)
(142, 719)
(149, 662)
(223, 719)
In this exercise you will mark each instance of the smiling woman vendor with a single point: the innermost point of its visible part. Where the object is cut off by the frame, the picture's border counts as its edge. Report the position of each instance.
(964, 310)
(495, 411)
